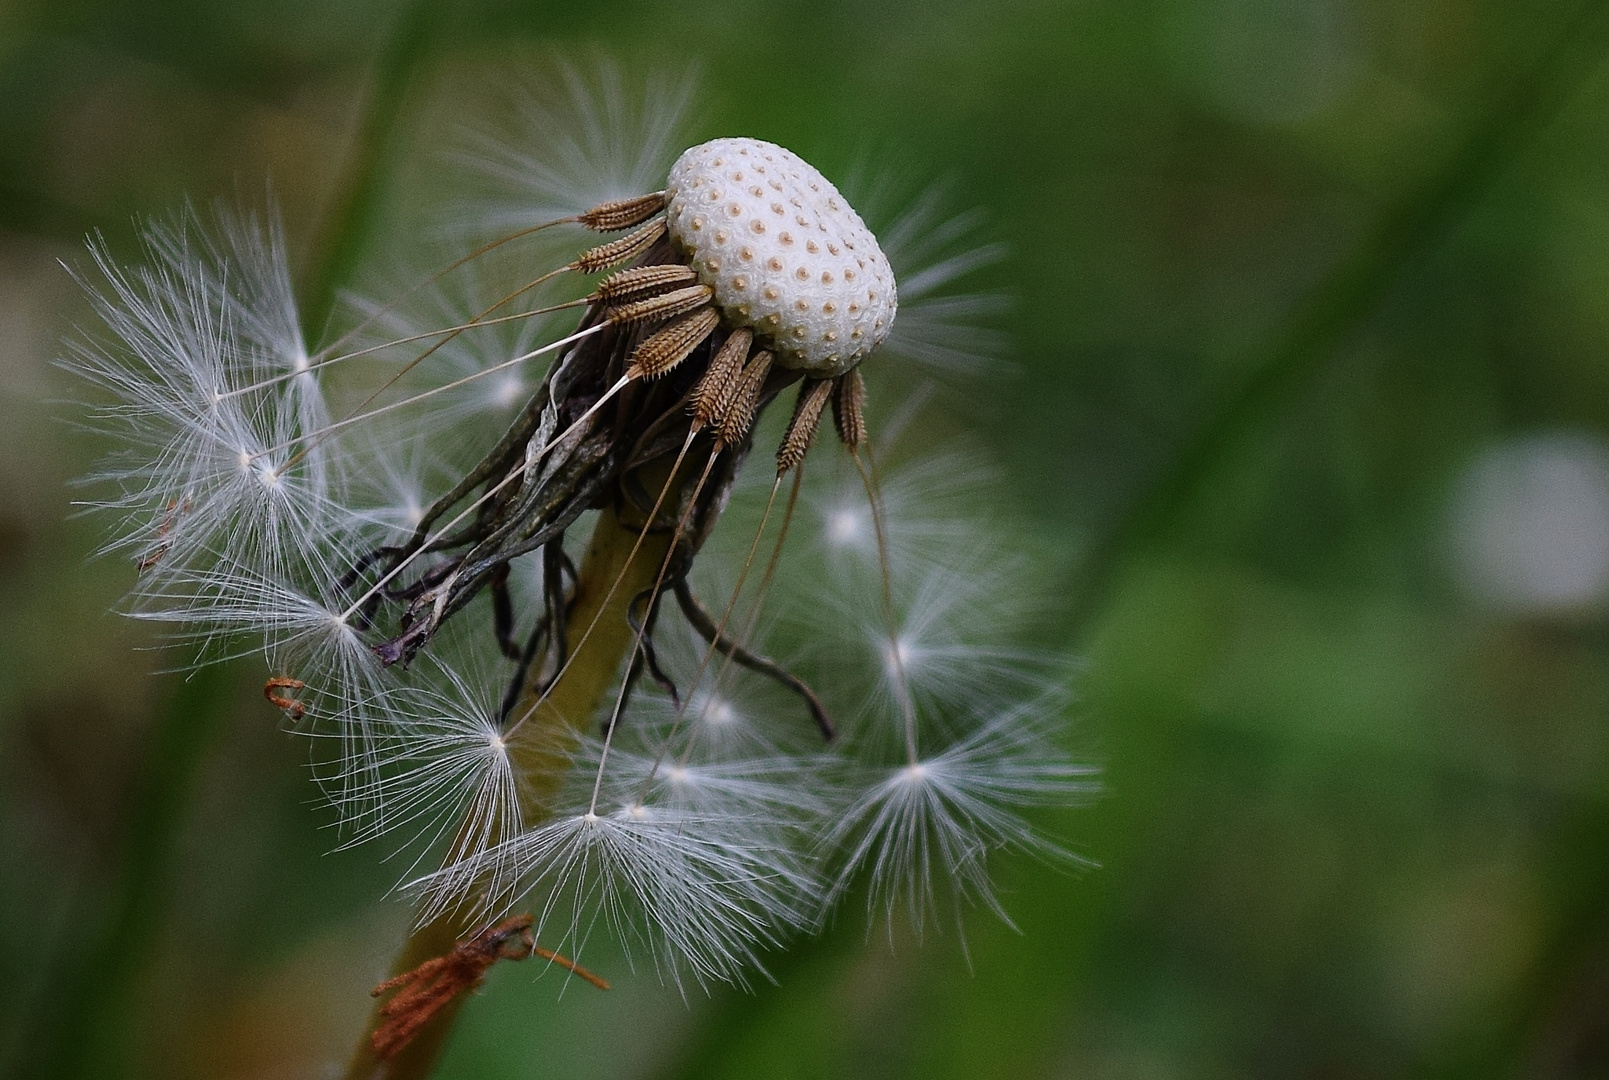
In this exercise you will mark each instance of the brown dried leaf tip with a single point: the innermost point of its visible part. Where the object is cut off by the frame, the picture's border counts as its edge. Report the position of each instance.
(293, 708)
(426, 989)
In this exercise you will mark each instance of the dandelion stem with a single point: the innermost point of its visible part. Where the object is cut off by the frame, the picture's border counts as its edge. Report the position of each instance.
(539, 743)
(653, 597)
(538, 754)
(592, 624)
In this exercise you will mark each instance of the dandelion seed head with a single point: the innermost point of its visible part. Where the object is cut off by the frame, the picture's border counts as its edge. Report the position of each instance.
(784, 251)
(713, 822)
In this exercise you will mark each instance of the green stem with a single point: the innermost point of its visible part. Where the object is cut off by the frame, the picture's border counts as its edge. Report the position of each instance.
(537, 751)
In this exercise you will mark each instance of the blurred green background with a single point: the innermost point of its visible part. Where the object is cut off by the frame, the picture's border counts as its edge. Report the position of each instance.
(1311, 326)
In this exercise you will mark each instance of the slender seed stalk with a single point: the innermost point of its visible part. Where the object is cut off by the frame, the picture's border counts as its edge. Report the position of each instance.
(538, 755)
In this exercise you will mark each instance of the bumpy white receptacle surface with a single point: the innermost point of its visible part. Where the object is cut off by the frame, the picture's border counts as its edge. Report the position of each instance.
(783, 251)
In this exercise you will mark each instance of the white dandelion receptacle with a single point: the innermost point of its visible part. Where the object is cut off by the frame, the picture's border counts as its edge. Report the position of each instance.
(785, 252)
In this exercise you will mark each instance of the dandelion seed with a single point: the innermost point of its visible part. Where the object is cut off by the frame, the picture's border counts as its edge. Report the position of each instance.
(923, 831)
(195, 481)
